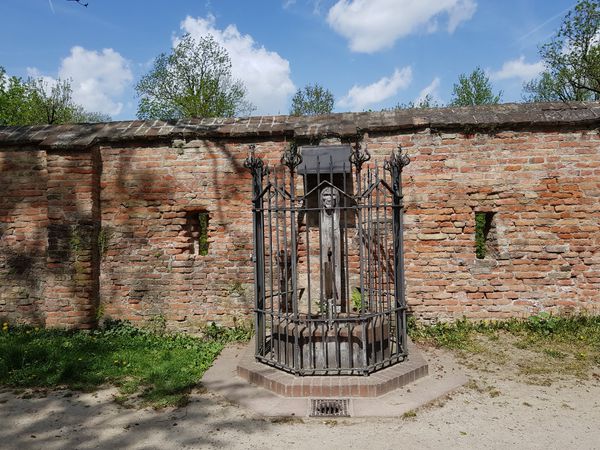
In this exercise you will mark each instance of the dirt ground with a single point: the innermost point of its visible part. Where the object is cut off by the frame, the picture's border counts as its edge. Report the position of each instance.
(498, 408)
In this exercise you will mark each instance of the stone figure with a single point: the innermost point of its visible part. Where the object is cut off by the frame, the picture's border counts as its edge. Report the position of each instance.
(330, 250)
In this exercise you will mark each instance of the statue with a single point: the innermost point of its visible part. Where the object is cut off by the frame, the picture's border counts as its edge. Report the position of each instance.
(331, 266)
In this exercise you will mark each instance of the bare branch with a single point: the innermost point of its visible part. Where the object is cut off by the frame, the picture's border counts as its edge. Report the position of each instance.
(79, 1)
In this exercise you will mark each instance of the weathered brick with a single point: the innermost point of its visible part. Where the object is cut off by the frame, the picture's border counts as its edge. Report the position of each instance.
(56, 205)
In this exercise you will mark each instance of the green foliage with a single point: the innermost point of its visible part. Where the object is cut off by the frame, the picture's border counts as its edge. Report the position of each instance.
(453, 335)
(460, 334)
(543, 348)
(194, 80)
(203, 237)
(474, 89)
(545, 323)
(480, 238)
(157, 324)
(411, 414)
(572, 59)
(159, 368)
(15, 108)
(34, 102)
(76, 241)
(357, 299)
(313, 99)
(236, 287)
(104, 237)
(241, 332)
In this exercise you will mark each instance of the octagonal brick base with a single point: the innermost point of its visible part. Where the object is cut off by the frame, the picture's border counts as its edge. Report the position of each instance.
(374, 385)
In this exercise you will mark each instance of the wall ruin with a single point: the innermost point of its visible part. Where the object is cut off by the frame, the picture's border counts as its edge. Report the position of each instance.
(95, 219)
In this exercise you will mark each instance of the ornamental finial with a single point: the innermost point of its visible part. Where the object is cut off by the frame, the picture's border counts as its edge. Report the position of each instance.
(291, 156)
(359, 156)
(253, 162)
(397, 160)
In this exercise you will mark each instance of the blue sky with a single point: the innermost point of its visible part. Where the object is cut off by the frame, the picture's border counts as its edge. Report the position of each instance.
(371, 54)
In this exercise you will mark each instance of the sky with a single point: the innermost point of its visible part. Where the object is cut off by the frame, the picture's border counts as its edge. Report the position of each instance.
(371, 54)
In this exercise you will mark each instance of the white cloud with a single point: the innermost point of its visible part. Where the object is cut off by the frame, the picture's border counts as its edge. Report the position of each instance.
(518, 68)
(372, 25)
(98, 79)
(265, 73)
(359, 97)
(432, 90)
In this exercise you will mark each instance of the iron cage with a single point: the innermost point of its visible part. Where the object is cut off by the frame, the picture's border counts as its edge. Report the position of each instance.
(328, 256)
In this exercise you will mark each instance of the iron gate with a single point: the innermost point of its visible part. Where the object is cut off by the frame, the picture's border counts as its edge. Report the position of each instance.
(329, 279)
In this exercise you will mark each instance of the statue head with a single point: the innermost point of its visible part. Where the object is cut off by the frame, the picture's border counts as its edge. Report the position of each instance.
(329, 198)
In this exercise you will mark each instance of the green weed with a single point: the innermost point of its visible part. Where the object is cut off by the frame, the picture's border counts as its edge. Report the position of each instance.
(547, 345)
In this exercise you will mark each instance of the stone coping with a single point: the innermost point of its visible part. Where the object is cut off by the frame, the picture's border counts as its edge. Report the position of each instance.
(374, 385)
(468, 119)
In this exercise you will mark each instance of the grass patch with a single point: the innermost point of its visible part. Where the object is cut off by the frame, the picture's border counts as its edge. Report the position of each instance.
(540, 348)
(411, 414)
(160, 369)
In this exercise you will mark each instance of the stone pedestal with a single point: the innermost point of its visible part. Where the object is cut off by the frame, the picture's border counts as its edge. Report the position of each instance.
(345, 345)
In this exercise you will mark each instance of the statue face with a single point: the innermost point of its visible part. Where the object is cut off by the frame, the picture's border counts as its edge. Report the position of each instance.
(329, 198)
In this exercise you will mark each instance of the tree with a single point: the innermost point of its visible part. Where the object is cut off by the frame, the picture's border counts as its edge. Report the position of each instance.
(53, 103)
(572, 59)
(35, 102)
(194, 80)
(311, 100)
(474, 89)
(14, 104)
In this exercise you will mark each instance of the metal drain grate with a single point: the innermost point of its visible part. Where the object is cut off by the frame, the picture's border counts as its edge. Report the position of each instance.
(329, 407)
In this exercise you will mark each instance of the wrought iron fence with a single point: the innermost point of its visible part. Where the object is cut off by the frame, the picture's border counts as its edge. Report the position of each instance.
(329, 280)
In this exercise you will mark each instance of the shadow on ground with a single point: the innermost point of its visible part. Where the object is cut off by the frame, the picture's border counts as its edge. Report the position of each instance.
(62, 419)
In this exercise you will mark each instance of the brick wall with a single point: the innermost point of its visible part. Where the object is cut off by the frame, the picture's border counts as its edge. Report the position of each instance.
(71, 294)
(110, 224)
(23, 234)
(544, 188)
(149, 268)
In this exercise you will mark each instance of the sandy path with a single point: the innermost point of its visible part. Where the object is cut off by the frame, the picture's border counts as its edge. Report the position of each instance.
(494, 413)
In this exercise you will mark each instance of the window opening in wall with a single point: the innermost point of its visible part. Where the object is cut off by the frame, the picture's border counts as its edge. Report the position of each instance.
(485, 236)
(197, 231)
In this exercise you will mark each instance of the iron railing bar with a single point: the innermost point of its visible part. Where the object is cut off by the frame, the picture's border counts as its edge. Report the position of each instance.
(333, 273)
(343, 318)
(344, 257)
(346, 271)
(326, 183)
(387, 258)
(381, 263)
(283, 192)
(258, 226)
(402, 279)
(285, 274)
(270, 219)
(360, 225)
(358, 206)
(322, 302)
(279, 274)
(294, 262)
(371, 279)
(261, 193)
(310, 345)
